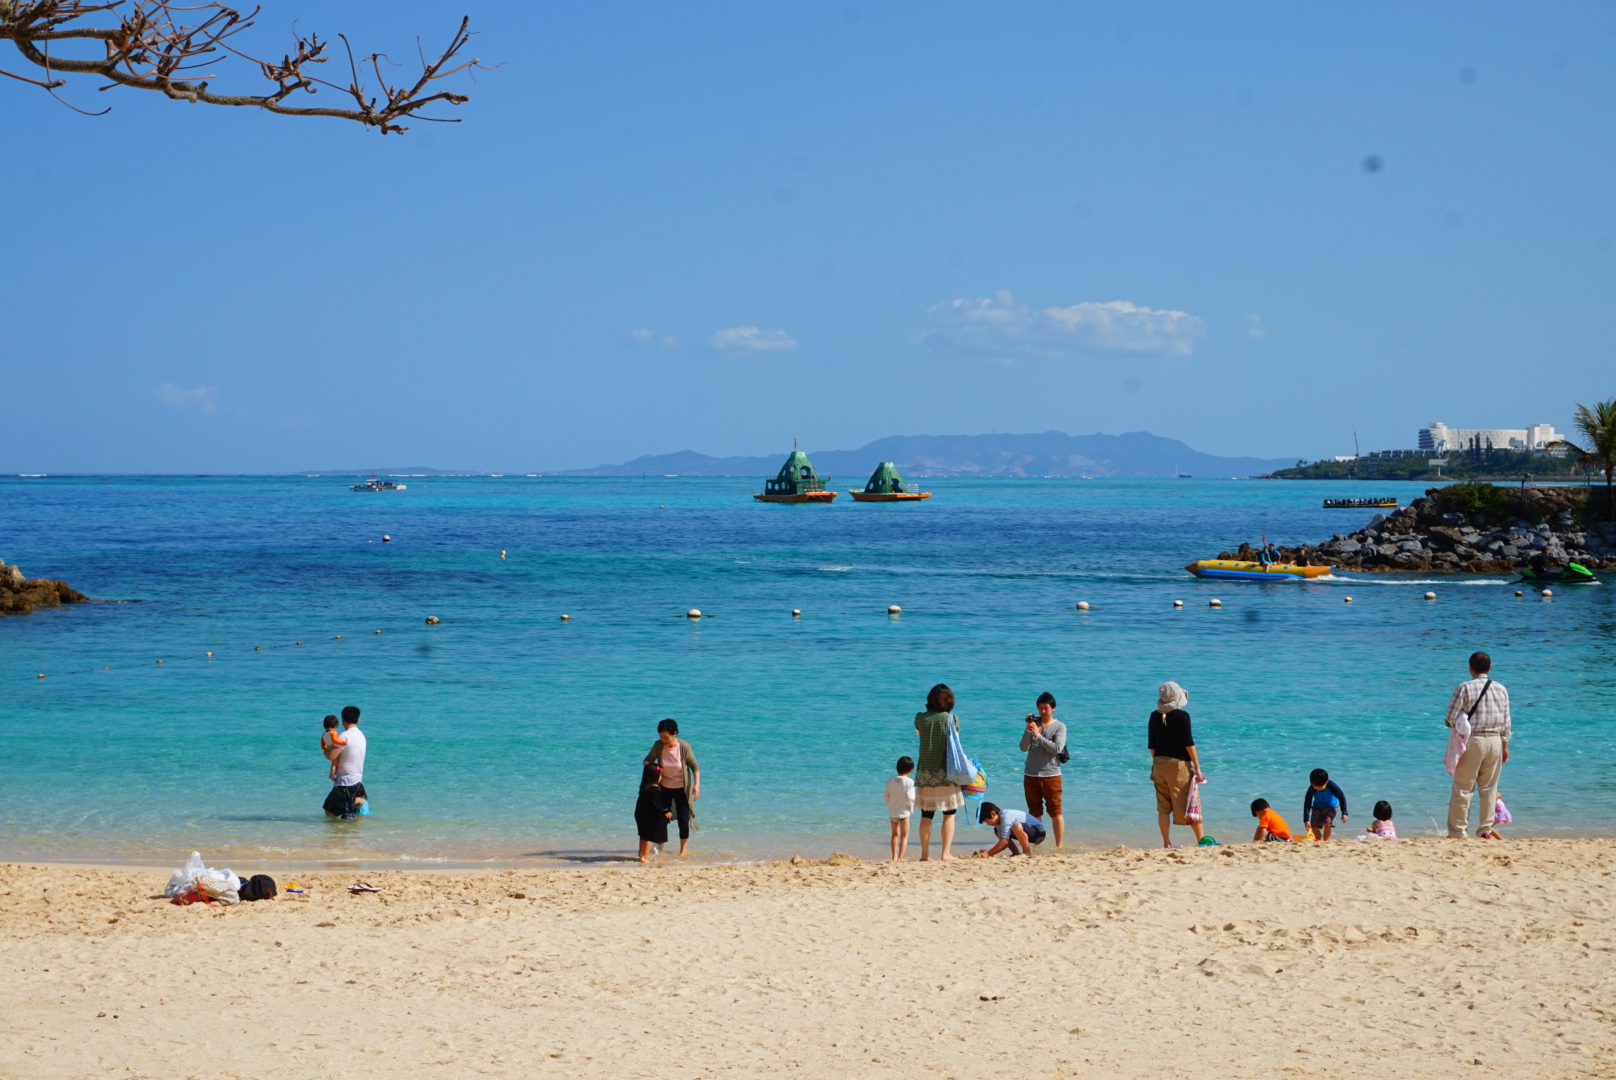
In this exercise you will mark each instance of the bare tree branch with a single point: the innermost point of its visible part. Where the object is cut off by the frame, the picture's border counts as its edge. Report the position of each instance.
(150, 45)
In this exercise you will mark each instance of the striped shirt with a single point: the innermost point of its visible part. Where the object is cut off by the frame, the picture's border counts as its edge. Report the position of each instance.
(1491, 717)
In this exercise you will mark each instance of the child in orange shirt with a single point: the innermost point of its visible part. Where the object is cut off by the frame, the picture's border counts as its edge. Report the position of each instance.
(1270, 826)
(331, 743)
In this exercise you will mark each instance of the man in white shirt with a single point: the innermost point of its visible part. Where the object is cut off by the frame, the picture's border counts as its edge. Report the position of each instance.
(347, 798)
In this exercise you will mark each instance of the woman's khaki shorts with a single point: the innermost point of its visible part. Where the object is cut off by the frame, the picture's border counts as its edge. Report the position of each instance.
(1171, 776)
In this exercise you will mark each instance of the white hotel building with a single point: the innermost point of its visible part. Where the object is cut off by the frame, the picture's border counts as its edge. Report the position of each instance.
(1439, 438)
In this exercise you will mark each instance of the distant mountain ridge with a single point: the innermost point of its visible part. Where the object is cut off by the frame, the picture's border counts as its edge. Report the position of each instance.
(1051, 453)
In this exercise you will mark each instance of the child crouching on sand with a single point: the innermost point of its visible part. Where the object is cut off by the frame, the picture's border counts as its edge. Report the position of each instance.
(900, 800)
(1014, 828)
(1270, 826)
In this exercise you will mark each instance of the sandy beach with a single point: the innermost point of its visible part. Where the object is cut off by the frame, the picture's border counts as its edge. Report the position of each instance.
(1407, 959)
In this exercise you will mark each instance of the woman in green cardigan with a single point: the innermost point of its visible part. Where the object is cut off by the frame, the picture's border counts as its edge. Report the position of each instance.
(933, 792)
(681, 776)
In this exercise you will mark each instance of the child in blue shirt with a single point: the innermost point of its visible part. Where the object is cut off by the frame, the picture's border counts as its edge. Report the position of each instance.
(1014, 829)
(1324, 797)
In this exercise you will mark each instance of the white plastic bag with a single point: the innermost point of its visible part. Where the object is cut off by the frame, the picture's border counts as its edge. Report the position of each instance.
(1458, 739)
(195, 876)
(1192, 802)
(180, 881)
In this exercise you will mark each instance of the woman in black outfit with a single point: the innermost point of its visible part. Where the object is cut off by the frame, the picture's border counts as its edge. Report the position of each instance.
(1173, 760)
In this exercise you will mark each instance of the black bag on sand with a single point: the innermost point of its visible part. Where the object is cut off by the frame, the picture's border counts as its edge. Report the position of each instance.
(260, 887)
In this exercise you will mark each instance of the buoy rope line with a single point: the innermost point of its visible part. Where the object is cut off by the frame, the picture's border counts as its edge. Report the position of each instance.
(693, 614)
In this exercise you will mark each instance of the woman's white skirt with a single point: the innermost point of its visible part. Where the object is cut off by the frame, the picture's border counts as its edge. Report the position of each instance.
(941, 797)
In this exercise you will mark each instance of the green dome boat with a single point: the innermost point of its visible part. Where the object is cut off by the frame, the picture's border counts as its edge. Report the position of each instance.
(796, 482)
(887, 486)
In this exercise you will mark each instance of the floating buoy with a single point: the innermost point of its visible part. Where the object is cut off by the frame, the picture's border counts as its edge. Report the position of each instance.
(564, 618)
(795, 612)
(41, 675)
(1178, 603)
(209, 654)
(386, 539)
(431, 620)
(1430, 596)
(894, 609)
(693, 613)
(502, 553)
(1082, 605)
(1548, 592)
(1346, 600)
(1214, 603)
(1519, 593)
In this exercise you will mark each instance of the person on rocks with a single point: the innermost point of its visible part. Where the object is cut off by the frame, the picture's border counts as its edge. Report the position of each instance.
(1485, 701)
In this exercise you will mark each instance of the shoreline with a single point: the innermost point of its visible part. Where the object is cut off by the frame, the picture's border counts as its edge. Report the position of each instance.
(1393, 959)
(868, 846)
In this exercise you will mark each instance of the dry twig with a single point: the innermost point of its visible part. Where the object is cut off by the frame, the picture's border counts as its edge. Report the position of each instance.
(161, 45)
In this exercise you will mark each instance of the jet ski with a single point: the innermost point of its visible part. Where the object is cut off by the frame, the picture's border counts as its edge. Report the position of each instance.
(1569, 574)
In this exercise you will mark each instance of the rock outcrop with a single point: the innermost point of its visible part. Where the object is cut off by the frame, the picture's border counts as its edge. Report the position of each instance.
(19, 595)
(1469, 528)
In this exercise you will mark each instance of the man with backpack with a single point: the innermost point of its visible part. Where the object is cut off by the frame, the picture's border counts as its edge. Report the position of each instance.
(1044, 743)
(1486, 704)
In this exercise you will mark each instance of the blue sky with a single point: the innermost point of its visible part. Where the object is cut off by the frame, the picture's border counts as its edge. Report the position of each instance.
(722, 226)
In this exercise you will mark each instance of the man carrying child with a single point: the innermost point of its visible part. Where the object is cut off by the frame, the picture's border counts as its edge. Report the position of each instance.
(347, 756)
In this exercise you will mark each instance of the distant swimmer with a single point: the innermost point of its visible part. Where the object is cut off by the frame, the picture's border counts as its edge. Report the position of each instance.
(386, 539)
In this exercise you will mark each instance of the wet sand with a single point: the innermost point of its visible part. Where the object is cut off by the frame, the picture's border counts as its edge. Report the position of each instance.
(1417, 958)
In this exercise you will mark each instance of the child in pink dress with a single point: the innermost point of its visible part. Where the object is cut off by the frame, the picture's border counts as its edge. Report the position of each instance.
(1382, 825)
(1501, 816)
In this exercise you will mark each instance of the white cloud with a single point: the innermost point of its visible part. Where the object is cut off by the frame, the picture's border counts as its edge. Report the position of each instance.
(999, 326)
(641, 335)
(202, 399)
(670, 342)
(1256, 329)
(752, 339)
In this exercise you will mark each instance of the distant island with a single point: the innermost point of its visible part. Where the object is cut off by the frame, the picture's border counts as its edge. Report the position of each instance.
(1136, 454)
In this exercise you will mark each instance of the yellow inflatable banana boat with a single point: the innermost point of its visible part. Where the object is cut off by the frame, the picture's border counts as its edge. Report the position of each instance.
(1254, 571)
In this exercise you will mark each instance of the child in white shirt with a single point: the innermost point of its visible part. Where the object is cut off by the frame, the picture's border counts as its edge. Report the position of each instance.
(900, 798)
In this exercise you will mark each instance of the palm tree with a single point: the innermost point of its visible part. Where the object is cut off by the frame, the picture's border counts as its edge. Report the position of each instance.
(1598, 426)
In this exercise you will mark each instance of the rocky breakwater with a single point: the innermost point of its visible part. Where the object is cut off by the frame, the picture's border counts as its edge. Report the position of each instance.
(20, 595)
(1478, 528)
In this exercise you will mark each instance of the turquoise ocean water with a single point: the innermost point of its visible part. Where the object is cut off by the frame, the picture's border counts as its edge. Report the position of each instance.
(506, 734)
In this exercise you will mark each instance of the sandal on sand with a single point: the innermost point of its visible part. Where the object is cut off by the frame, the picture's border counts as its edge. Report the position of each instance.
(363, 886)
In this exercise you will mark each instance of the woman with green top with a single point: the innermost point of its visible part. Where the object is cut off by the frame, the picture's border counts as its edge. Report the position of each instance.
(933, 792)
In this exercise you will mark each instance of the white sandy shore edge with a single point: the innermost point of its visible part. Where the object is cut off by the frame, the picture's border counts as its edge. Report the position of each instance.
(1408, 959)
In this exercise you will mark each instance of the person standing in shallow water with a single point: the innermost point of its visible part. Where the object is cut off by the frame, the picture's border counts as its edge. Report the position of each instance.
(1174, 760)
(1044, 743)
(1486, 702)
(933, 792)
(680, 778)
